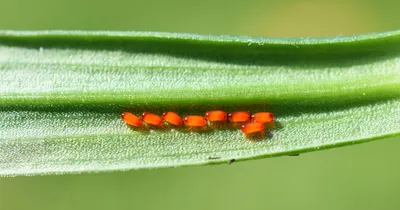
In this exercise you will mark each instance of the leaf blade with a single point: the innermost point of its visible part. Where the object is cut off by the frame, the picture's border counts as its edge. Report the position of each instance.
(69, 93)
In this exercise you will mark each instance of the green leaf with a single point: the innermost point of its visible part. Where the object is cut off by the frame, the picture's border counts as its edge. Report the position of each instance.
(62, 93)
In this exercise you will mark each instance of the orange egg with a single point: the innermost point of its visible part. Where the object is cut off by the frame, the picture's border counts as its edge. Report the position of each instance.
(262, 117)
(238, 117)
(152, 119)
(252, 127)
(131, 119)
(195, 121)
(172, 118)
(216, 116)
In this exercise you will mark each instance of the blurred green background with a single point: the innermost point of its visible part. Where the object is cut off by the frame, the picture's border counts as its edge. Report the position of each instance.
(363, 176)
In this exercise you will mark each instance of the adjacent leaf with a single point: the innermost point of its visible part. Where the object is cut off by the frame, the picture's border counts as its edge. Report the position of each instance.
(62, 93)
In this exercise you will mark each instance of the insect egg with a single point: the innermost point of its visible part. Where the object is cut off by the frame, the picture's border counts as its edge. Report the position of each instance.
(172, 118)
(216, 116)
(152, 119)
(131, 119)
(252, 127)
(195, 121)
(238, 117)
(262, 117)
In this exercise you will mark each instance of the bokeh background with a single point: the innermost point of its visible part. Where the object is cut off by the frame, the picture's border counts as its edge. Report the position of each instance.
(363, 176)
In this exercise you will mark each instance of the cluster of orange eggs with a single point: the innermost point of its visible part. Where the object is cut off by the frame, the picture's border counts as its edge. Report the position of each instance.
(250, 123)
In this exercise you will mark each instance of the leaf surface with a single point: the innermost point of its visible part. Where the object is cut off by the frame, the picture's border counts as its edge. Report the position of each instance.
(62, 93)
